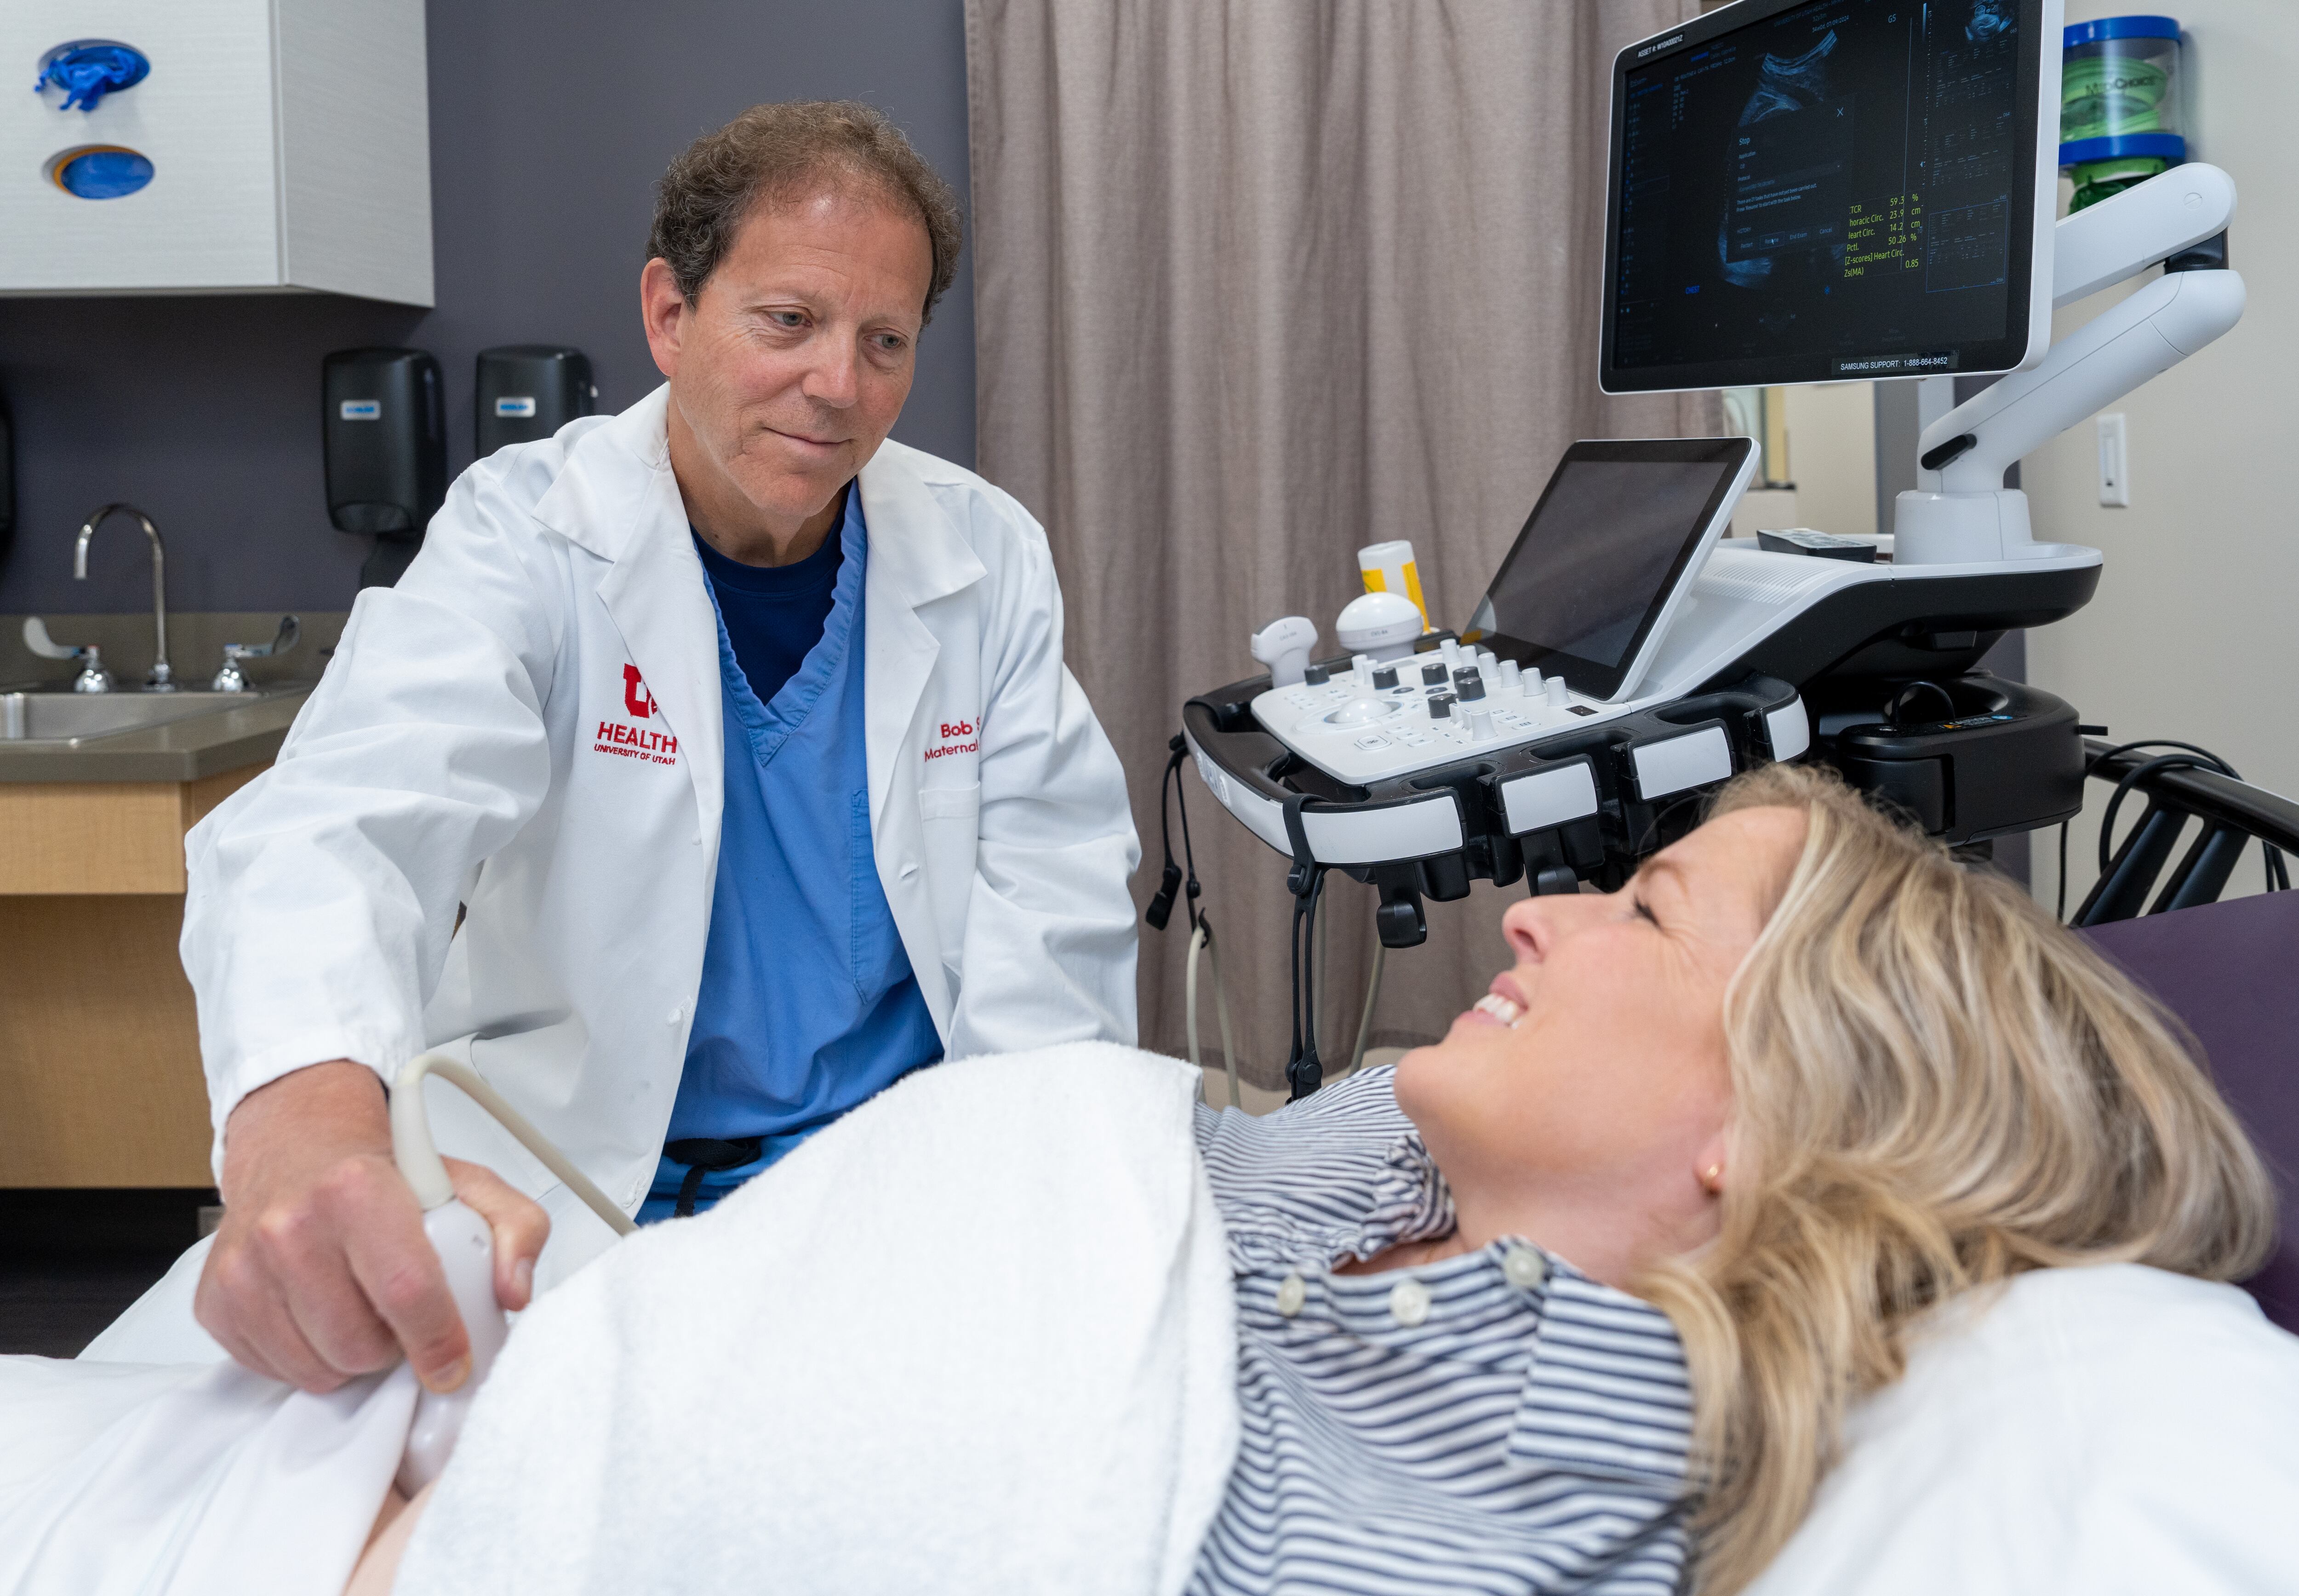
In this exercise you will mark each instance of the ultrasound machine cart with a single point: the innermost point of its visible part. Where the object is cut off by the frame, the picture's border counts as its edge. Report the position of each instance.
(1628, 657)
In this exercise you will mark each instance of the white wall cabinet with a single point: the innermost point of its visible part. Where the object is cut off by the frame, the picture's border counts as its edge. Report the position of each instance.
(289, 141)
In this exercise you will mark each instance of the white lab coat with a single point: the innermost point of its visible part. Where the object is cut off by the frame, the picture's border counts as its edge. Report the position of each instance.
(476, 741)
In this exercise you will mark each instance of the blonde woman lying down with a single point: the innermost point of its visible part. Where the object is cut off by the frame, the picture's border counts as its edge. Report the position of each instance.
(1581, 1296)
(1808, 1148)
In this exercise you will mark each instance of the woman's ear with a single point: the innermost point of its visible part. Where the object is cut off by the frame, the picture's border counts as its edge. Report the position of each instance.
(1709, 1166)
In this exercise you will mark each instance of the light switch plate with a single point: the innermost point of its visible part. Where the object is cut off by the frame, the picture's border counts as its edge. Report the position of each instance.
(2114, 462)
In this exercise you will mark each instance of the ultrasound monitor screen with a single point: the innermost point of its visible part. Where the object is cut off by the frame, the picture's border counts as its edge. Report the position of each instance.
(1599, 556)
(1836, 190)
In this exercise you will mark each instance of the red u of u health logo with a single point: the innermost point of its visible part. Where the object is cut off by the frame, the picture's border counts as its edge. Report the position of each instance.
(636, 697)
(626, 741)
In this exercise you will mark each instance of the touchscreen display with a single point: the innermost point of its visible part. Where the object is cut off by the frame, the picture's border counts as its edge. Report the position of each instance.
(1598, 552)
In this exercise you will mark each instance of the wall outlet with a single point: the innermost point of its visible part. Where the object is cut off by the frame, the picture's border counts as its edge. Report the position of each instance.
(2114, 462)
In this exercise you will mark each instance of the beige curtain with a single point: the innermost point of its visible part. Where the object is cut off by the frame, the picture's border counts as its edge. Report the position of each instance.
(1259, 283)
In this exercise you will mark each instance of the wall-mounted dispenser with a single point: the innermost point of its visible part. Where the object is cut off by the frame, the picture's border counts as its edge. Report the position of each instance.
(384, 424)
(7, 479)
(530, 391)
(242, 146)
(77, 77)
(86, 69)
(99, 171)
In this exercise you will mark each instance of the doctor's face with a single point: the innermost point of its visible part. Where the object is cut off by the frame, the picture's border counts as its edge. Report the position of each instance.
(792, 362)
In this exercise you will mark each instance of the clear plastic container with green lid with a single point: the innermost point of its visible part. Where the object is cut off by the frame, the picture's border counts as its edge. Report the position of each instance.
(2120, 112)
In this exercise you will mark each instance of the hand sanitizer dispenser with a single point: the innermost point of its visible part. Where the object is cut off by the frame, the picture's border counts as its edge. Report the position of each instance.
(383, 420)
(7, 480)
(530, 391)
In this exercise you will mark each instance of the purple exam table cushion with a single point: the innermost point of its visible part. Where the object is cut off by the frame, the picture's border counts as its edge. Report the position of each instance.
(2230, 971)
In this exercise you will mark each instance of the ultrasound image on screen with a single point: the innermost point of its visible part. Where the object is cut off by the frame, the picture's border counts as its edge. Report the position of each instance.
(1835, 186)
(1597, 553)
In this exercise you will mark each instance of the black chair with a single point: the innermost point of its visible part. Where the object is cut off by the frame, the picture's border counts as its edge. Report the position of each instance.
(2229, 971)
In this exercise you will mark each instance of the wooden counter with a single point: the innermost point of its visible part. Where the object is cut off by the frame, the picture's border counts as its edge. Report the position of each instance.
(99, 1079)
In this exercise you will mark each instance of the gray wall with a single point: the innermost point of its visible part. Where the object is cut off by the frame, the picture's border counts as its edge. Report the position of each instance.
(550, 121)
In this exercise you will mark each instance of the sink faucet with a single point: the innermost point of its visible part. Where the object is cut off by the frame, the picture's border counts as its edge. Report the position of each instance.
(163, 679)
(92, 678)
(231, 678)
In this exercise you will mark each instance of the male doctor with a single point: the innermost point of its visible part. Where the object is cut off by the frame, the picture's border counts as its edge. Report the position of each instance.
(713, 768)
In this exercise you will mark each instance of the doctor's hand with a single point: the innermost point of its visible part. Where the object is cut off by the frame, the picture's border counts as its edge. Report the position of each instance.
(320, 1270)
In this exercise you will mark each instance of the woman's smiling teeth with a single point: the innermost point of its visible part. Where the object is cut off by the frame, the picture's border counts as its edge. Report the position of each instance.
(1500, 1008)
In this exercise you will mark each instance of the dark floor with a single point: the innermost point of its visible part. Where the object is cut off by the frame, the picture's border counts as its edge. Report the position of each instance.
(71, 1260)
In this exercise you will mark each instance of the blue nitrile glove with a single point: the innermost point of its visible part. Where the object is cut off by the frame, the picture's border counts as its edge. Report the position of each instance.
(90, 69)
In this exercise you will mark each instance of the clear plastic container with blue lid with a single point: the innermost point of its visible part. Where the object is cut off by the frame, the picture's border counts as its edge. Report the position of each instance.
(2120, 112)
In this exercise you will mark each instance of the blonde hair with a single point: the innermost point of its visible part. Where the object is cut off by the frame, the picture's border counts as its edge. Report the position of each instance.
(1935, 1088)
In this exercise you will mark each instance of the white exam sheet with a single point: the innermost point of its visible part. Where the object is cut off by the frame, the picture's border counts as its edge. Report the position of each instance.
(186, 1479)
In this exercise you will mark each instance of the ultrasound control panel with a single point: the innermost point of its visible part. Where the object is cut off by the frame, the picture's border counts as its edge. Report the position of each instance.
(1373, 720)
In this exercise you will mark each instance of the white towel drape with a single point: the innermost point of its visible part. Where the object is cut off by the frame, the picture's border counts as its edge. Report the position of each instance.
(976, 1338)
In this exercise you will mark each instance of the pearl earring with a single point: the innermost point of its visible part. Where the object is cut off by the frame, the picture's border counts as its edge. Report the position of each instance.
(1713, 1178)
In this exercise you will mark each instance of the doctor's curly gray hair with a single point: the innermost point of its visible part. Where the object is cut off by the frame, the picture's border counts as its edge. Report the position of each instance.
(779, 153)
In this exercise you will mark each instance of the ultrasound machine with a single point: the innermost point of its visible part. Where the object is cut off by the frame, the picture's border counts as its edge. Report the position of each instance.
(1800, 191)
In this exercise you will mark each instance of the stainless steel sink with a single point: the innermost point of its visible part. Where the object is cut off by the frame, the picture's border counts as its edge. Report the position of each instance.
(66, 719)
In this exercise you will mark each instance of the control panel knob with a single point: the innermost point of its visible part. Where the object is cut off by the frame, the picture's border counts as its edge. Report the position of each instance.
(1555, 689)
(1469, 686)
(1440, 707)
(1451, 649)
(1480, 722)
(1512, 679)
(1433, 675)
(1384, 678)
(1317, 676)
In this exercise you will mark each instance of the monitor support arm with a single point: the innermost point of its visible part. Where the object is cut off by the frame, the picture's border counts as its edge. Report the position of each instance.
(1963, 513)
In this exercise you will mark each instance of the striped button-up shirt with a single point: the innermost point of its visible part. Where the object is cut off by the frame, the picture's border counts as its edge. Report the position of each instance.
(1496, 1422)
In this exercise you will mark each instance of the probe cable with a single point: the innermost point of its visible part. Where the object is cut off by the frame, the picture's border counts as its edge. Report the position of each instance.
(1304, 1073)
(2187, 756)
(1161, 902)
(1184, 880)
(1203, 938)
(1311, 936)
(1372, 992)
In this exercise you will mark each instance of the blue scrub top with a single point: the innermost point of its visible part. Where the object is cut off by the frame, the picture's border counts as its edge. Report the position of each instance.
(808, 1005)
(773, 615)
